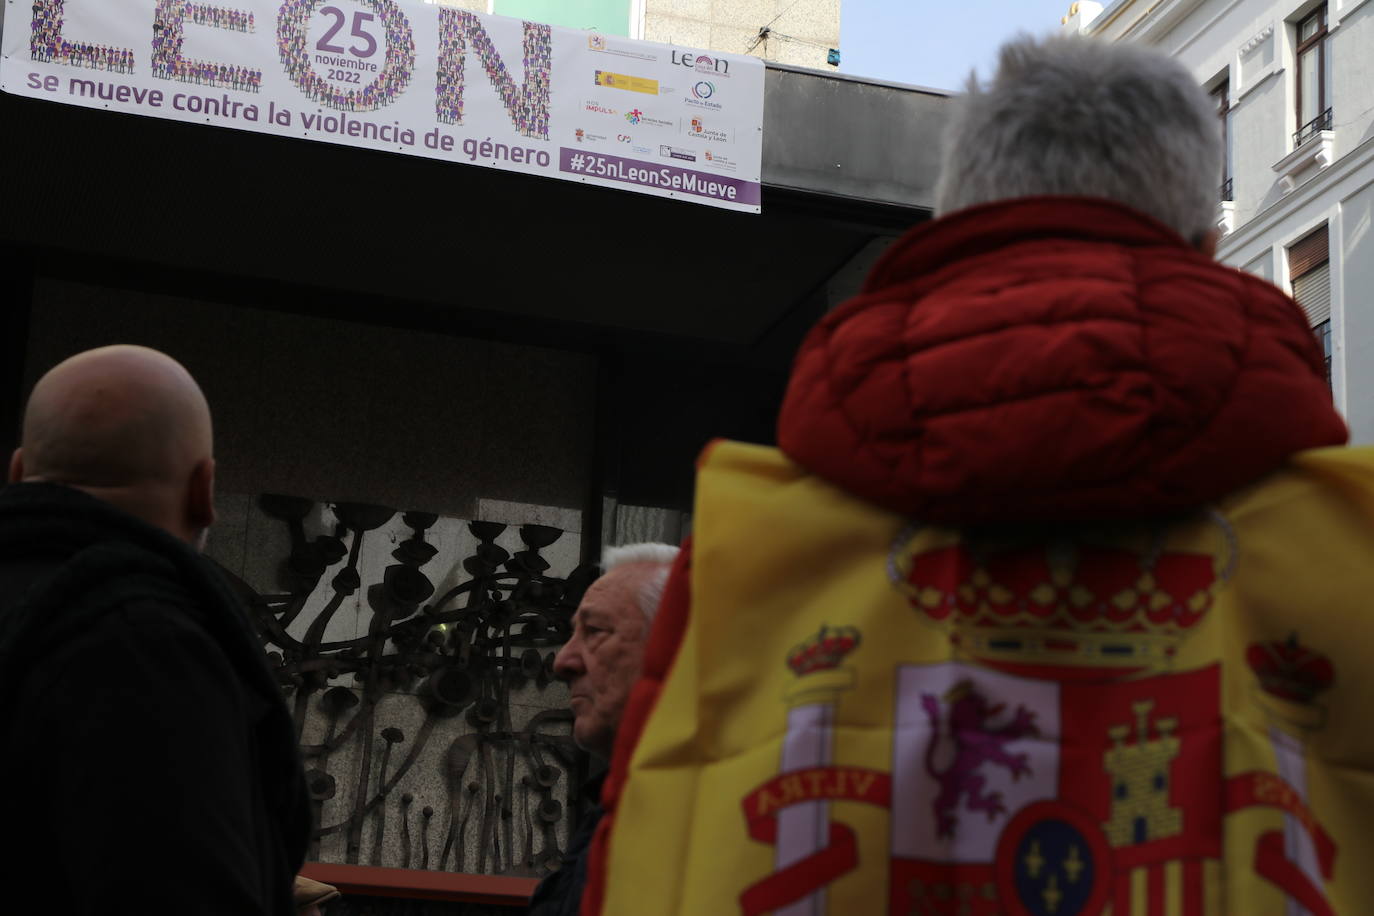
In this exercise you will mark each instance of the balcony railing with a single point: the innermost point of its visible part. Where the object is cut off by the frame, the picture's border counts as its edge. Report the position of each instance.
(1313, 127)
(1226, 190)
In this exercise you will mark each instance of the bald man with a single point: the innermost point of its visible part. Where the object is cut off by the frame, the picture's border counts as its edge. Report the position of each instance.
(150, 762)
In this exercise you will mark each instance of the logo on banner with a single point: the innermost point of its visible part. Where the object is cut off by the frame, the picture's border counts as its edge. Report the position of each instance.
(719, 161)
(623, 138)
(598, 108)
(596, 42)
(698, 128)
(676, 152)
(701, 94)
(638, 117)
(627, 83)
(701, 63)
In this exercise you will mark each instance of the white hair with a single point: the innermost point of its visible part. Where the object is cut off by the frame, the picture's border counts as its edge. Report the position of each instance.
(1081, 116)
(662, 556)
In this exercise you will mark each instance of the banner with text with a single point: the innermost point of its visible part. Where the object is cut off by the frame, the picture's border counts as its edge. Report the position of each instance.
(413, 78)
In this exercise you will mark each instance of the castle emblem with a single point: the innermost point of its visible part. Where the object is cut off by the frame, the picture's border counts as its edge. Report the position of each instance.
(1141, 811)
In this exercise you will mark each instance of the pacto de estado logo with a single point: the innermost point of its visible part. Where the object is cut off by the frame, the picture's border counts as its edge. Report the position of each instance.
(703, 90)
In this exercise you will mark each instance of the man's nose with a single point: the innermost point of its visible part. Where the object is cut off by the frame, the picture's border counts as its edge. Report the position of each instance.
(567, 664)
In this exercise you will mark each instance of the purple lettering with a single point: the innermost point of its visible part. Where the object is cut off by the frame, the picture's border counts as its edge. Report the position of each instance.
(169, 27)
(293, 22)
(526, 105)
(48, 44)
(339, 19)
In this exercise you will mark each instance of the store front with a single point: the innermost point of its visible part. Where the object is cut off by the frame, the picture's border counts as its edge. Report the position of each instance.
(464, 345)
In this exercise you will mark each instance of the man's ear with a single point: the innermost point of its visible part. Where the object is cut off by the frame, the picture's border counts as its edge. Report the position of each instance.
(1208, 243)
(200, 496)
(17, 466)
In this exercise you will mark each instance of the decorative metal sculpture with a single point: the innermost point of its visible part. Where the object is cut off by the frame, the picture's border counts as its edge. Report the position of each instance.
(458, 655)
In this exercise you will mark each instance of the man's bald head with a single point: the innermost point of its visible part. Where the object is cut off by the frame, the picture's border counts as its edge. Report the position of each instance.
(128, 425)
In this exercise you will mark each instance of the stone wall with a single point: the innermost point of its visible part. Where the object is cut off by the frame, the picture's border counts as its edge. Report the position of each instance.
(801, 32)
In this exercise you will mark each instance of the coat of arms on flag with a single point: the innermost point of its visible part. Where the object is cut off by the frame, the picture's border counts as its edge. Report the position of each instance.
(1044, 798)
(1059, 764)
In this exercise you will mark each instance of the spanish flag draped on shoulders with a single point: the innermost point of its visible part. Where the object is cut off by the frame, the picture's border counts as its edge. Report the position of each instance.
(1055, 601)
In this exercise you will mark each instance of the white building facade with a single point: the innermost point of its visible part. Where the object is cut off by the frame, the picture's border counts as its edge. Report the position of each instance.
(1294, 83)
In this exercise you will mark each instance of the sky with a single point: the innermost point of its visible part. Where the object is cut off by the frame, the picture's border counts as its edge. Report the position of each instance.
(935, 44)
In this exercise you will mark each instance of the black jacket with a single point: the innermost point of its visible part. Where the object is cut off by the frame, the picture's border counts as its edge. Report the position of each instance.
(149, 762)
(560, 894)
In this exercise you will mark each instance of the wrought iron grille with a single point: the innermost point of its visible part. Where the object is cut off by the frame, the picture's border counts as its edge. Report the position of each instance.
(1227, 190)
(499, 806)
(1313, 127)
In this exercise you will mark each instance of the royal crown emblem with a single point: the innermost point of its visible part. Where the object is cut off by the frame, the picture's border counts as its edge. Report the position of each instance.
(824, 651)
(1291, 679)
(1289, 670)
(1062, 610)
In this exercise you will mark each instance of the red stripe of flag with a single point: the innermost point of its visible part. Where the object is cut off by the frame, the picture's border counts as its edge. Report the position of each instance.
(1194, 888)
(1154, 892)
(1121, 895)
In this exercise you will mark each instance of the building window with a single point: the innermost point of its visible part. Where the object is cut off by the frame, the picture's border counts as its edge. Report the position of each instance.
(1323, 332)
(1309, 270)
(1221, 95)
(1314, 113)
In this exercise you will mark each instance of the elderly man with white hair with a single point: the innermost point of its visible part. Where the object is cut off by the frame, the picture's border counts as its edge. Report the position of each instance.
(601, 662)
(1050, 601)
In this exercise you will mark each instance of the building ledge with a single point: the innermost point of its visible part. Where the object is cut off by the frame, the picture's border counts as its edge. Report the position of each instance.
(1316, 151)
(1226, 217)
(1345, 8)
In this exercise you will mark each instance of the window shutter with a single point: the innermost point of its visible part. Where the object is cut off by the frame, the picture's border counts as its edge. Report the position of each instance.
(1307, 252)
(1313, 292)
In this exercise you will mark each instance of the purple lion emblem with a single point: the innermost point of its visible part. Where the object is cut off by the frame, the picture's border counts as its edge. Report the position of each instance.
(976, 743)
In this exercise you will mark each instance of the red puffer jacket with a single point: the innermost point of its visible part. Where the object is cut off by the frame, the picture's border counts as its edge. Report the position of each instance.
(1040, 359)
(1054, 358)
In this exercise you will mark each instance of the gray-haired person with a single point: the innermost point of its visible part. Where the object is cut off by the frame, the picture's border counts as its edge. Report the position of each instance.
(1052, 442)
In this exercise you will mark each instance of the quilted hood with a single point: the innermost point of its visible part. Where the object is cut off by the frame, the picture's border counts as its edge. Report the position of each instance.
(1054, 359)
